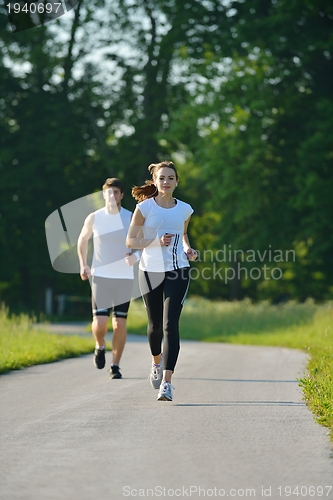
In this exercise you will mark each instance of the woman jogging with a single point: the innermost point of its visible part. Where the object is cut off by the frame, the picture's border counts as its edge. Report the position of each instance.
(159, 227)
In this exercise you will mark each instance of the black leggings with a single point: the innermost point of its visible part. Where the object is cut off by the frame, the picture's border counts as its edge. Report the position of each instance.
(163, 295)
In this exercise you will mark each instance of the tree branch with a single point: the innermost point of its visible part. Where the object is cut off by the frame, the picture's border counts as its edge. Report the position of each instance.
(69, 62)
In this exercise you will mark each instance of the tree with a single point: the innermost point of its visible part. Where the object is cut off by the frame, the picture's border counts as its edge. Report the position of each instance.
(47, 141)
(69, 123)
(264, 140)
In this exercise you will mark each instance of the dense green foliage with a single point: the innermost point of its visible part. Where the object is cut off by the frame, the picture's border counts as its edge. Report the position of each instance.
(238, 94)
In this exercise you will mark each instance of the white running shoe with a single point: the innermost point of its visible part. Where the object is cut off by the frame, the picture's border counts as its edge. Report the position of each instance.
(156, 374)
(165, 392)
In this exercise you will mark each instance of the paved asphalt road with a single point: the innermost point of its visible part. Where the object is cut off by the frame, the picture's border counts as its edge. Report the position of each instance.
(237, 428)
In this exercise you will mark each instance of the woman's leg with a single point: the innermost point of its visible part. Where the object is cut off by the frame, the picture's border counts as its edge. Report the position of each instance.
(175, 289)
(153, 299)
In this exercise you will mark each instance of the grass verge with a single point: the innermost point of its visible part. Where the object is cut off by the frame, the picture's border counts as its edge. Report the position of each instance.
(21, 345)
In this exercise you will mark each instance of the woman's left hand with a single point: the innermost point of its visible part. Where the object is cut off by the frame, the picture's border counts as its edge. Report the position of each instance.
(191, 254)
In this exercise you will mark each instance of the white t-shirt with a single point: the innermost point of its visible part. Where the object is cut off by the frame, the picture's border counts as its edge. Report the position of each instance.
(158, 221)
(109, 237)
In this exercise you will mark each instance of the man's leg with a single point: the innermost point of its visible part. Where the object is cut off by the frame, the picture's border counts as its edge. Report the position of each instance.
(121, 294)
(118, 342)
(99, 329)
(118, 339)
(101, 313)
(101, 308)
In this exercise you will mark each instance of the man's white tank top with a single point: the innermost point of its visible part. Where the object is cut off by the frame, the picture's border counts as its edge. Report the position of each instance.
(109, 237)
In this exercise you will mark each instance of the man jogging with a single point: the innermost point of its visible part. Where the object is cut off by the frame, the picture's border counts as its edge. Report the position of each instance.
(111, 273)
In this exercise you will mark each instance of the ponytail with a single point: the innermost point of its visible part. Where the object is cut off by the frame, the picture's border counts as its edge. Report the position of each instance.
(141, 193)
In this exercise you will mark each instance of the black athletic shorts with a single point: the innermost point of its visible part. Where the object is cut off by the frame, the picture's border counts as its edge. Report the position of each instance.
(110, 294)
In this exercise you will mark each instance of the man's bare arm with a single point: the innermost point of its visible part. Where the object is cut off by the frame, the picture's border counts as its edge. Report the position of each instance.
(82, 246)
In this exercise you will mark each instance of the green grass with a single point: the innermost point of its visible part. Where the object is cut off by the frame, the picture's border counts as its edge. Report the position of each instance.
(137, 318)
(234, 322)
(21, 345)
(305, 326)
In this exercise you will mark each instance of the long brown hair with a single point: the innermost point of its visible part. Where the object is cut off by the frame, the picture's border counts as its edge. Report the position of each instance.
(148, 189)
